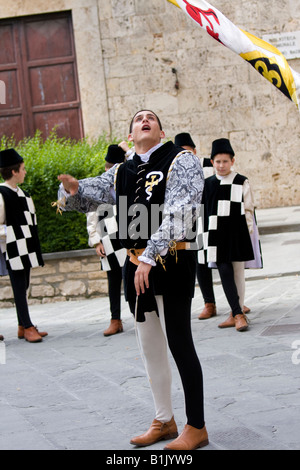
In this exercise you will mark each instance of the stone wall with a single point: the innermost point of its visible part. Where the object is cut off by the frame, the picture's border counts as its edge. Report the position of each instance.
(71, 275)
(126, 52)
(218, 95)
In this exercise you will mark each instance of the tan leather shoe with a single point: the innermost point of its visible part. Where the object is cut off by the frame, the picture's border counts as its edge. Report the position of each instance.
(31, 335)
(21, 330)
(1, 338)
(228, 323)
(246, 309)
(209, 311)
(158, 431)
(191, 438)
(241, 323)
(114, 328)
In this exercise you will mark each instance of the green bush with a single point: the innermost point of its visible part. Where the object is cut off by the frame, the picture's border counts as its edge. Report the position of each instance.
(44, 161)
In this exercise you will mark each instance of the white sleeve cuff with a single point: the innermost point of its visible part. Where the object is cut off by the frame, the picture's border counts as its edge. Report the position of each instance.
(144, 259)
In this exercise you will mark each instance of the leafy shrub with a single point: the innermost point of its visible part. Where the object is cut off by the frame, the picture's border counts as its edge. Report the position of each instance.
(44, 161)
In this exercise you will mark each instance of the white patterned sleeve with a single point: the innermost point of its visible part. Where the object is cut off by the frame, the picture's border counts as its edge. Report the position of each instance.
(91, 193)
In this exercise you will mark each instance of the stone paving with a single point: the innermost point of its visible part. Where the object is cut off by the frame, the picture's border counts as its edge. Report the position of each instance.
(80, 390)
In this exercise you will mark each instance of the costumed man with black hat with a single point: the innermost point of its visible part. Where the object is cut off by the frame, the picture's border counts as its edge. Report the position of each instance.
(102, 229)
(19, 242)
(185, 141)
(230, 238)
(203, 272)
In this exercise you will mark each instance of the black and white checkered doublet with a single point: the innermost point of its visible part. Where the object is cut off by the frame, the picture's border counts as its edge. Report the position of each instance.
(226, 235)
(107, 227)
(22, 243)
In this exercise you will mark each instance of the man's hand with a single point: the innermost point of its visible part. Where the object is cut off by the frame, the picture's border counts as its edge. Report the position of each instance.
(141, 277)
(100, 250)
(70, 183)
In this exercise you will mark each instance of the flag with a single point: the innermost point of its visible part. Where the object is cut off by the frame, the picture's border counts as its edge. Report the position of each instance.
(264, 57)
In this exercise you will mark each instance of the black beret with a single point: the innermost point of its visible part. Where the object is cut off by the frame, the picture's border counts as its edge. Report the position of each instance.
(9, 157)
(184, 139)
(221, 146)
(115, 154)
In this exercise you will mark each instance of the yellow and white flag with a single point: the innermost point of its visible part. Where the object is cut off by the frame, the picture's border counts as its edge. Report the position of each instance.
(264, 57)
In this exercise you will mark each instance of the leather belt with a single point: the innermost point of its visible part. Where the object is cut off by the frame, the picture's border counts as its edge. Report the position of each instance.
(134, 253)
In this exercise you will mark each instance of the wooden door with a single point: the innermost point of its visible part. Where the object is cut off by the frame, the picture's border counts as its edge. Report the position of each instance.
(38, 68)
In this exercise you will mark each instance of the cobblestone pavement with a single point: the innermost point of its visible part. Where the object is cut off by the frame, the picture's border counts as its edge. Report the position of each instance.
(80, 390)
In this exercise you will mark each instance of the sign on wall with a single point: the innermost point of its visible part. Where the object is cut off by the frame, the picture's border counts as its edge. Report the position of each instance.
(287, 43)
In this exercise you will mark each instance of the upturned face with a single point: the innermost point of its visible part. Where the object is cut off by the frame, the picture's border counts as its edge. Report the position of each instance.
(145, 130)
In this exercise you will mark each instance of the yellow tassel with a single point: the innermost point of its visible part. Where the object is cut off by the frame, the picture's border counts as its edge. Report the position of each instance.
(173, 252)
(162, 261)
(172, 248)
(61, 203)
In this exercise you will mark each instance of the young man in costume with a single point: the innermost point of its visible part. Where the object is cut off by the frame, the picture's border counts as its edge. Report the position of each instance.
(19, 240)
(160, 276)
(230, 232)
(102, 230)
(203, 273)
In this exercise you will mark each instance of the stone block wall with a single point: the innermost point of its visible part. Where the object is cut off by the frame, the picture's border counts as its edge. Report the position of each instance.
(66, 276)
(126, 51)
(218, 93)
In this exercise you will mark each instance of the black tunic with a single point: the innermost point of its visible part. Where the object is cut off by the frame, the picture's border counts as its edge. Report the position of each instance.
(225, 226)
(178, 273)
(22, 243)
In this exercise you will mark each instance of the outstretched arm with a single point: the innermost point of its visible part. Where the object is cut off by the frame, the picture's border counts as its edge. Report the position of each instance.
(70, 184)
(86, 195)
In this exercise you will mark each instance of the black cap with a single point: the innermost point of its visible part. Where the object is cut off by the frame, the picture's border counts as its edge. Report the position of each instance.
(115, 154)
(9, 157)
(221, 146)
(184, 139)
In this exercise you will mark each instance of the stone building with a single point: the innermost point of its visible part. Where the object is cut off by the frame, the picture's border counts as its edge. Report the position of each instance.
(87, 65)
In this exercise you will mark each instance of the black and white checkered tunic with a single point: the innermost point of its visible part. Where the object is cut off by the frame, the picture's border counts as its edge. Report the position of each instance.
(22, 243)
(107, 228)
(225, 235)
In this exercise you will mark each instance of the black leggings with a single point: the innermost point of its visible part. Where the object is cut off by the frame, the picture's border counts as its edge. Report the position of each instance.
(205, 281)
(114, 277)
(178, 328)
(227, 278)
(20, 282)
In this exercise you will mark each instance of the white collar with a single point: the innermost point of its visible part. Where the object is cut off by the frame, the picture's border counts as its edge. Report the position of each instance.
(219, 177)
(145, 156)
(11, 187)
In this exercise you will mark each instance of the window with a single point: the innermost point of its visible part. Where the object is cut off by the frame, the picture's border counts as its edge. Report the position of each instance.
(39, 73)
